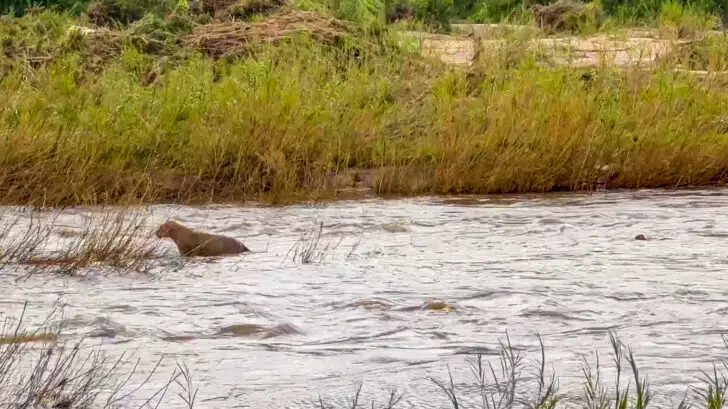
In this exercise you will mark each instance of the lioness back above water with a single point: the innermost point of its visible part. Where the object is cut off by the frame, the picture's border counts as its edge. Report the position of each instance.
(193, 243)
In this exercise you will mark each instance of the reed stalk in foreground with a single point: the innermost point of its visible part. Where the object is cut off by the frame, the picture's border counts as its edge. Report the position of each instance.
(306, 249)
(506, 385)
(43, 372)
(14, 246)
(113, 239)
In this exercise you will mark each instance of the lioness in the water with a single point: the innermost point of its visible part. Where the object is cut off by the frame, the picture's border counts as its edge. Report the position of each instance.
(193, 243)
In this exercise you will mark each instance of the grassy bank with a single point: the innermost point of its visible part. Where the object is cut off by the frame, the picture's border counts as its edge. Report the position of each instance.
(166, 109)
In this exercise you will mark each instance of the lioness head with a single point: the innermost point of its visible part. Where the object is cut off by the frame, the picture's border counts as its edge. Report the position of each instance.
(165, 229)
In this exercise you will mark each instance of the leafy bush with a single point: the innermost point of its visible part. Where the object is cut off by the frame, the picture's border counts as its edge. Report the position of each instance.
(685, 21)
(567, 15)
(129, 11)
(644, 9)
(496, 10)
(364, 11)
(19, 7)
(436, 12)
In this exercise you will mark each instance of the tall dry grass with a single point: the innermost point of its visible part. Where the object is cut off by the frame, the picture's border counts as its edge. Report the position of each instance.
(16, 246)
(117, 239)
(278, 124)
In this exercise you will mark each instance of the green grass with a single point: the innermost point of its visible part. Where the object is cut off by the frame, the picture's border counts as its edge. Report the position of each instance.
(686, 21)
(436, 13)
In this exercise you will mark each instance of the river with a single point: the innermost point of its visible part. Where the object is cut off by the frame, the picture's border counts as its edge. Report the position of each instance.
(564, 265)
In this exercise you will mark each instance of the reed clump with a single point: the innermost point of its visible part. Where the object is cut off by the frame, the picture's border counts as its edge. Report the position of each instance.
(21, 242)
(309, 249)
(115, 239)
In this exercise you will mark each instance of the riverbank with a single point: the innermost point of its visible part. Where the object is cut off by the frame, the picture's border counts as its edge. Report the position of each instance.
(172, 110)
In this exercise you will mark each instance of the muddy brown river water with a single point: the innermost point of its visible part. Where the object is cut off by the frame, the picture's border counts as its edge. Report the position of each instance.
(263, 330)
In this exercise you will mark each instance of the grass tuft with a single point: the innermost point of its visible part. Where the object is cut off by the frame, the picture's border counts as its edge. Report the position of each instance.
(113, 239)
(306, 249)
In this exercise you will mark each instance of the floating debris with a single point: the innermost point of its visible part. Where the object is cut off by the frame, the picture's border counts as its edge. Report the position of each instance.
(21, 339)
(246, 330)
(241, 330)
(371, 304)
(394, 228)
(438, 306)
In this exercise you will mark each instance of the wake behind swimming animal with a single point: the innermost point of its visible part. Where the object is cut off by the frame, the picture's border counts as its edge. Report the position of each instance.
(192, 243)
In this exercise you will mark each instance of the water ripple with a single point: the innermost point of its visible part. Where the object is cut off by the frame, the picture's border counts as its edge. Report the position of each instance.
(562, 265)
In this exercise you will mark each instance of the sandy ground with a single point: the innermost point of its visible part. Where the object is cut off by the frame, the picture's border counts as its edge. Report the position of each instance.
(629, 48)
